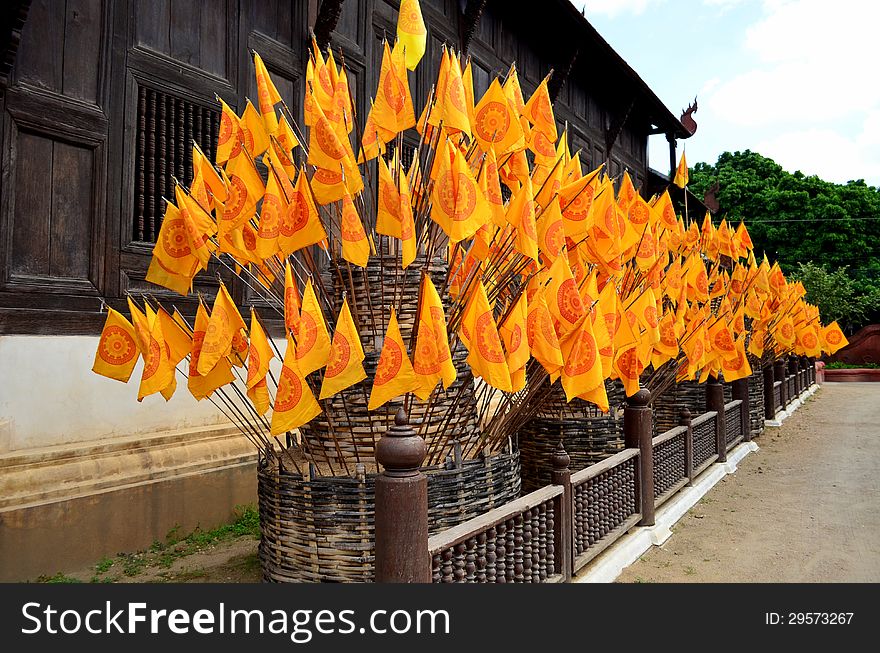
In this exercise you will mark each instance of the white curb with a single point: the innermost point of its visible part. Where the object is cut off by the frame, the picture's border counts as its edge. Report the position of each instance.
(607, 566)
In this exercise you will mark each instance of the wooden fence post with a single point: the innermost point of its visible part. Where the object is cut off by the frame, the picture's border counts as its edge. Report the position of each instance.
(793, 371)
(401, 507)
(779, 375)
(562, 507)
(715, 401)
(740, 390)
(769, 397)
(637, 433)
(684, 419)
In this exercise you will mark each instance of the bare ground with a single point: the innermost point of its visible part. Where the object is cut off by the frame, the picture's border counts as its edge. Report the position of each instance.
(804, 508)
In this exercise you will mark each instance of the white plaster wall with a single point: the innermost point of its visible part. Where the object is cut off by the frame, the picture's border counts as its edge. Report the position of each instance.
(49, 395)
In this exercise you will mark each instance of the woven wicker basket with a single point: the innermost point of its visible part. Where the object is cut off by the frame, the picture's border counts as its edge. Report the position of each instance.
(587, 434)
(322, 529)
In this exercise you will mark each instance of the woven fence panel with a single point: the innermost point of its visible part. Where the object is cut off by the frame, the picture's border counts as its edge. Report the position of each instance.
(669, 463)
(704, 442)
(667, 406)
(322, 530)
(777, 396)
(587, 434)
(520, 549)
(603, 503)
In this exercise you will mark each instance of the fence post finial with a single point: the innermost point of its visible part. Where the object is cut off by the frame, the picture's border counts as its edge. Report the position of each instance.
(563, 506)
(401, 506)
(637, 428)
(715, 401)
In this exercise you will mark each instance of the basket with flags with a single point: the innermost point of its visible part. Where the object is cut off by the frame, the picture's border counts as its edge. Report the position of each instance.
(399, 275)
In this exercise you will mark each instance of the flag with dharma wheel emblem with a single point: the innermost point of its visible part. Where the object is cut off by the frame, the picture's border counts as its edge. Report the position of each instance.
(394, 375)
(485, 353)
(345, 365)
(582, 370)
(832, 338)
(295, 404)
(117, 349)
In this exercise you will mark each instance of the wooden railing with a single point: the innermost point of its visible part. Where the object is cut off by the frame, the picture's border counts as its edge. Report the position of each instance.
(733, 418)
(670, 463)
(515, 543)
(705, 450)
(606, 504)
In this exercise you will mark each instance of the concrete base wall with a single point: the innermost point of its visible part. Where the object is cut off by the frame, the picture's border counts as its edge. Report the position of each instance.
(66, 507)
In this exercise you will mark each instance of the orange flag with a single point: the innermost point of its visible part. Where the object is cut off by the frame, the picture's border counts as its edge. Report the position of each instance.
(345, 367)
(666, 212)
(496, 123)
(312, 340)
(521, 214)
(514, 334)
(394, 374)
(563, 298)
(832, 338)
(117, 351)
(267, 95)
(539, 111)
(158, 373)
(392, 110)
(388, 207)
(256, 139)
(295, 404)
(551, 233)
(582, 370)
(224, 324)
(230, 137)
(432, 360)
(201, 386)
(259, 355)
(301, 225)
(274, 206)
(407, 223)
(736, 366)
(543, 342)
(173, 264)
(326, 149)
(459, 206)
(485, 354)
(355, 246)
(491, 187)
(292, 302)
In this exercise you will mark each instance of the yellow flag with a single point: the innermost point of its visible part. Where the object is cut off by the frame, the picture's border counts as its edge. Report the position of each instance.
(267, 95)
(295, 404)
(259, 355)
(224, 324)
(173, 253)
(432, 360)
(521, 214)
(496, 123)
(832, 338)
(345, 366)
(117, 349)
(301, 224)
(388, 207)
(201, 386)
(539, 111)
(513, 332)
(292, 303)
(563, 298)
(158, 373)
(256, 139)
(681, 172)
(178, 340)
(582, 370)
(274, 206)
(230, 136)
(459, 206)
(411, 31)
(485, 354)
(543, 342)
(394, 374)
(313, 341)
(737, 366)
(407, 223)
(355, 246)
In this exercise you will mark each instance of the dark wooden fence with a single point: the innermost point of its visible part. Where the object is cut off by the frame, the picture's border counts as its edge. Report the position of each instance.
(552, 533)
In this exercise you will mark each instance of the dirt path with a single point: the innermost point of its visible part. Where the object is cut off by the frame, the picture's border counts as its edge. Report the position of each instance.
(805, 508)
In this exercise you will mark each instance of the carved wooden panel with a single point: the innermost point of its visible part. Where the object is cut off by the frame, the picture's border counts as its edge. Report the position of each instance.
(166, 127)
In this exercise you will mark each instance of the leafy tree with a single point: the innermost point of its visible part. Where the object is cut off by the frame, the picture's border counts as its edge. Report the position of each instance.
(836, 294)
(796, 219)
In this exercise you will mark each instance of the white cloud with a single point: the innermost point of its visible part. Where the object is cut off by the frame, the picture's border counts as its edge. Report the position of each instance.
(812, 84)
(826, 153)
(613, 8)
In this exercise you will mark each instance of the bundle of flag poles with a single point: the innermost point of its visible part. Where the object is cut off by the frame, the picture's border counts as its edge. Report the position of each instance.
(575, 279)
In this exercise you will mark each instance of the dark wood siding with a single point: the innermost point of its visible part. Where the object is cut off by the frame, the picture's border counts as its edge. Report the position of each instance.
(106, 95)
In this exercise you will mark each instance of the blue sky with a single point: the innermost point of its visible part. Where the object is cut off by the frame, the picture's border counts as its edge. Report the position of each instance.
(795, 80)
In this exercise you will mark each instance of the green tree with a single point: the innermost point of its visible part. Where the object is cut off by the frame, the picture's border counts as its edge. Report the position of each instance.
(796, 219)
(836, 294)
